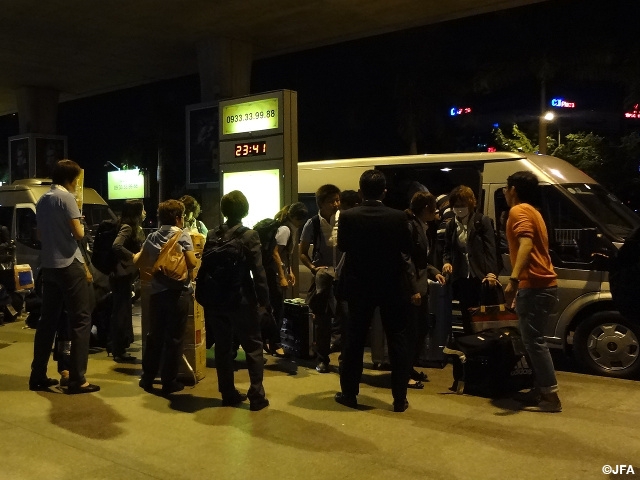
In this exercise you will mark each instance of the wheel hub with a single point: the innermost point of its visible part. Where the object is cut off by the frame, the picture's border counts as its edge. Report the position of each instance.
(613, 346)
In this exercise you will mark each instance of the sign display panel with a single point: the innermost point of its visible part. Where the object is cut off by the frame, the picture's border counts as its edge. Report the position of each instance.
(125, 184)
(253, 116)
(262, 189)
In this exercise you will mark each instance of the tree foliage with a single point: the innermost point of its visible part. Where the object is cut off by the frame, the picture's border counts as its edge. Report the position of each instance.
(517, 142)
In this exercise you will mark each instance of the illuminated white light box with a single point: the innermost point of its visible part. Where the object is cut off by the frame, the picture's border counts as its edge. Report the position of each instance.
(125, 184)
(262, 189)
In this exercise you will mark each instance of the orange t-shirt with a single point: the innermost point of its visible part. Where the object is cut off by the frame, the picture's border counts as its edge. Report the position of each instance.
(526, 221)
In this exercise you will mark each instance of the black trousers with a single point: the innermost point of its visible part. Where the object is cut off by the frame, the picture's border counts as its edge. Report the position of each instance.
(417, 331)
(120, 322)
(244, 324)
(393, 314)
(467, 292)
(276, 299)
(64, 287)
(168, 318)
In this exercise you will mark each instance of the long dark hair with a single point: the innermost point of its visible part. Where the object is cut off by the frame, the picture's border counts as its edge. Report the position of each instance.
(132, 216)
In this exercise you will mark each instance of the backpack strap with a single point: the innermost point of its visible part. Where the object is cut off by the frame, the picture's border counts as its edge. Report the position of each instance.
(315, 223)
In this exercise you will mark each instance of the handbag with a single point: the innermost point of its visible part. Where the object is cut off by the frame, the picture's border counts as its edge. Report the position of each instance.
(171, 261)
(497, 315)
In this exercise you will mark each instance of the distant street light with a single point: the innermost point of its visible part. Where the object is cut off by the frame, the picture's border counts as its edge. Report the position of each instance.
(549, 116)
(542, 132)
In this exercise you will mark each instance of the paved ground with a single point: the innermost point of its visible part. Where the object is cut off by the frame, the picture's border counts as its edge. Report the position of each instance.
(124, 433)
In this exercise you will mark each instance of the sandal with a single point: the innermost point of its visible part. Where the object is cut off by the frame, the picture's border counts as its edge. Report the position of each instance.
(418, 385)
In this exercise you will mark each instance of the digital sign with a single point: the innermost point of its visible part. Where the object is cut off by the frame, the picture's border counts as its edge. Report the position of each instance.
(560, 103)
(459, 111)
(253, 116)
(125, 184)
(262, 189)
(250, 149)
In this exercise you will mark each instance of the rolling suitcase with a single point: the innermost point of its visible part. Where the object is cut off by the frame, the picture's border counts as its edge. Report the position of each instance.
(296, 334)
(440, 325)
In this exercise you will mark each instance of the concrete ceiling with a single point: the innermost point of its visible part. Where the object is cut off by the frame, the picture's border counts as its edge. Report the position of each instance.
(83, 48)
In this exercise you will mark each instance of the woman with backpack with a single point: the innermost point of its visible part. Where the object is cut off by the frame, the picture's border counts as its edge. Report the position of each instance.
(279, 274)
(127, 243)
(469, 252)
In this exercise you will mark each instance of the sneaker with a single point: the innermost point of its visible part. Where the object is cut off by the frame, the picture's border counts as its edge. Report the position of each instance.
(530, 398)
(549, 403)
(322, 368)
(258, 404)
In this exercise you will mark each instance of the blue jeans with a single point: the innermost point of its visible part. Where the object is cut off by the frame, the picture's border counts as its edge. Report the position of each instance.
(534, 305)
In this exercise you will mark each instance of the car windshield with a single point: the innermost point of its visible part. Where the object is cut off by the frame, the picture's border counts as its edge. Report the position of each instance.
(610, 212)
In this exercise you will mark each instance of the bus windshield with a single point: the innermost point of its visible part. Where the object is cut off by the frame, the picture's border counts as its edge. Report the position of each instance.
(610, 212)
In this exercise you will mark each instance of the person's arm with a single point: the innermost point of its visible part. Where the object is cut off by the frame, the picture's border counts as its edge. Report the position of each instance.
(447, 267)
(525, 245)
(278, 259)
(77, 229)
(489, 246)
(118, 244)
(305, 243)
(254, 256)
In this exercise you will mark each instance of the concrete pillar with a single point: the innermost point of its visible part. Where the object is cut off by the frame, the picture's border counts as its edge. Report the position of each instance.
(224, 65)
(37, 110)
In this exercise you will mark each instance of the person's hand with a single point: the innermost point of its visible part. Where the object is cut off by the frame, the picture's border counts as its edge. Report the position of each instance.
(416, 299)
(510, 294)
(440, 279)
(284, 283)
(292, 279)
(490, 279)
(447, 268)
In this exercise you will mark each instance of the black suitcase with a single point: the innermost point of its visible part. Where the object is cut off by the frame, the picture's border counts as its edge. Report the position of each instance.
(440, 325)
(492, 363)
(296, 334)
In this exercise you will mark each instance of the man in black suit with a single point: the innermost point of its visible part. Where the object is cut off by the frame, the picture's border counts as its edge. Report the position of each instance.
(374, 238)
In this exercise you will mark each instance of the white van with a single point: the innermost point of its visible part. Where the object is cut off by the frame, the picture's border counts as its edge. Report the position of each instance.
(18, 214)
(586, 225)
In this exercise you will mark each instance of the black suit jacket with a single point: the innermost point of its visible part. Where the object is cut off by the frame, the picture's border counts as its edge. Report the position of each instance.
(374, 238)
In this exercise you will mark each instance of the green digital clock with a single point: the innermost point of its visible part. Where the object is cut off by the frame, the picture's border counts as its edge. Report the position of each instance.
(251, 116)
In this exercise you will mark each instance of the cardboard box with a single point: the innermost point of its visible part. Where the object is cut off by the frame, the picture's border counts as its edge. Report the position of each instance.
(193, 369)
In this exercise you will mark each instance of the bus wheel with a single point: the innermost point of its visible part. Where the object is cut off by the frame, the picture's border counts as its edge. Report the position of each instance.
(608, 344)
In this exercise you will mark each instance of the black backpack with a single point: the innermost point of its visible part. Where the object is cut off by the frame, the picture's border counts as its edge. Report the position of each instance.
(477, 224)
(103, 257)
(624, 271)
(267, 230)
(223, 269)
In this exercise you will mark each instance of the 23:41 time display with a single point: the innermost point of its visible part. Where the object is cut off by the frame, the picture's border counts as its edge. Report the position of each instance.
(251, 149)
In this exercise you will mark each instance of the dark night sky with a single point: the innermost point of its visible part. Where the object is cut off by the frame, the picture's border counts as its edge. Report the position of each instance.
(349, 94)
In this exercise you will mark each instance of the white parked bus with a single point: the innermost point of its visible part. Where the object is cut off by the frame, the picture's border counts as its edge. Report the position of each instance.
(586, 226)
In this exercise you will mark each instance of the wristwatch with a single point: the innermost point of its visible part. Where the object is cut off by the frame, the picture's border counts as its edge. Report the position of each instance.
(513, 279)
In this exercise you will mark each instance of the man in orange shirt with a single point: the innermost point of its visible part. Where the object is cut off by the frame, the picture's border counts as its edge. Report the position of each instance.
(534, 286)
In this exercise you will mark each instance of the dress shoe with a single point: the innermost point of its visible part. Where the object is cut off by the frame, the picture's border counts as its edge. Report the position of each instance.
(258, 404)
(418, 385)
(172, 387)
(549, 403)
(233, 399)
(347, 400)
(124, 358)
(322, 368)
(419, 376)
(146, 386)
(88, 388)
(42, 385)
(400, 405)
